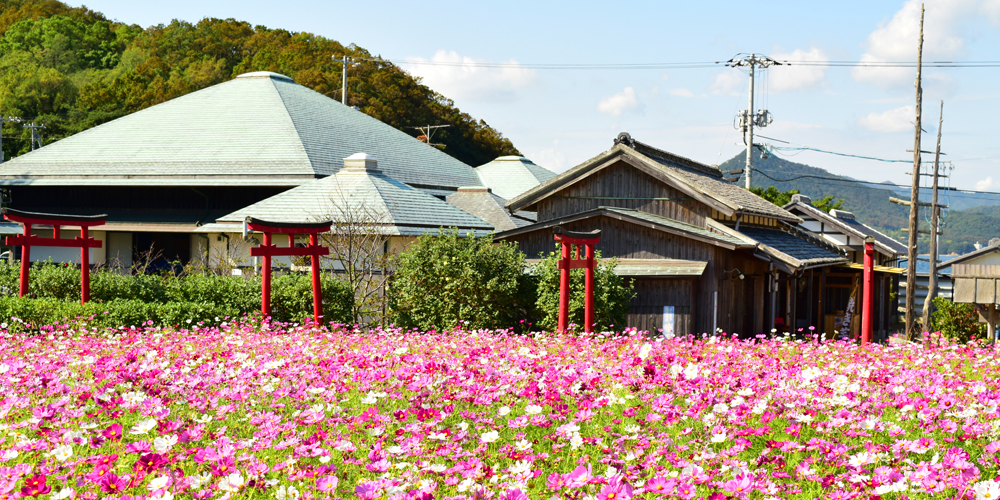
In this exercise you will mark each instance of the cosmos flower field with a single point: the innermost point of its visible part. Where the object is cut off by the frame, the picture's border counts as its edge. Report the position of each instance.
(290, 412)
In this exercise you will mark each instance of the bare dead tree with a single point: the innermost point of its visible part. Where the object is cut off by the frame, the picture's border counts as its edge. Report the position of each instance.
(360, 250)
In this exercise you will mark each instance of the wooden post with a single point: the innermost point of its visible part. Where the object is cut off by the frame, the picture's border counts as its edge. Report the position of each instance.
(911, 262)
(265, 289)
(867, 291)
(317, 288)
(22, 288)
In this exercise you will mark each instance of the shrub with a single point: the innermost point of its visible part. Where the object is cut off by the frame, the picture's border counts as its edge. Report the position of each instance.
(612, 294)
(957, 322)
(446, 278)
(130, 300)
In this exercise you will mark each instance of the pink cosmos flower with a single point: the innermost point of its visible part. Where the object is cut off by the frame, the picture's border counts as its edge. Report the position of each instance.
(368, 490)
(514, 494)
(113, 432)
(616, 489)
(578, 477)
(660, 486)
(327, 484)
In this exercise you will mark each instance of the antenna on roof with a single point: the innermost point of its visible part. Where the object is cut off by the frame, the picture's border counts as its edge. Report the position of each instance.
(15, 119)
(36, 136)
(428, 131)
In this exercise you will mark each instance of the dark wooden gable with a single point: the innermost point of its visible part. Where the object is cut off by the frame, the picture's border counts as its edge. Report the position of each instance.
(623, 185)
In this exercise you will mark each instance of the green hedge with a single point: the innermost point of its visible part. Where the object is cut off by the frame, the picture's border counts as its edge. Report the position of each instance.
(127, 300)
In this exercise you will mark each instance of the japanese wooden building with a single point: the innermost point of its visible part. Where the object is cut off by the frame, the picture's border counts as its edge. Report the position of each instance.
(977, 281)
(702, 252)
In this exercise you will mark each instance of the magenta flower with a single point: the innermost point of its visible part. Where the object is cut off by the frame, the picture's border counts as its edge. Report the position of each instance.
(367, 490)
(113, 432)
(35, 486)
(514, 494)
(113, 484)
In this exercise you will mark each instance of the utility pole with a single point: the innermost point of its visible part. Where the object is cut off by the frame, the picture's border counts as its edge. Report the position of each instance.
(36, 136)
(428, 131)
(14, 119)
(748, 118)
(911, 262)
(346, 60)
(935, 221)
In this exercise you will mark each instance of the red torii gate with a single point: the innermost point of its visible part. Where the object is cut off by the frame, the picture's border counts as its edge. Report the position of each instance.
(566, 263)
(84, 242)
(267, 250)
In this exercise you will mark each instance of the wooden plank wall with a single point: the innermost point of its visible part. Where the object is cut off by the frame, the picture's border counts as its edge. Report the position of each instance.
(734, 303)
(646, 309)
(976, 270)
(629, 185)
(620, 239)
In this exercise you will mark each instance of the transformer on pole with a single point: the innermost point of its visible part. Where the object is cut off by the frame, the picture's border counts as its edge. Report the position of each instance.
(749, 118)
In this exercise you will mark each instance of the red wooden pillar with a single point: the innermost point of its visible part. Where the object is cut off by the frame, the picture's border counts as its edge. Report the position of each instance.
(26, 240)
(567, 262)
(22, 287)
(265, 289)
(267, 250)
(588, 286)
(867, 293)
(317, 288)
(564, 270)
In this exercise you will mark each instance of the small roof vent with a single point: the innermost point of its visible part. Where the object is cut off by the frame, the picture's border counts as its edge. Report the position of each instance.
(801, 198)
(266, 74)
(361, 162)
(842, 214)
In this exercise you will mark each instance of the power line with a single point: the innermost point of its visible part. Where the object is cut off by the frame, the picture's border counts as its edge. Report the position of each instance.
(680, 65)
(871, 184)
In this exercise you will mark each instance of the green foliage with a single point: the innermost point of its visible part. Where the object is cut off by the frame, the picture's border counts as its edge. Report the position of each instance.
(782, 198)
(125, 300)
(612, 294)
(443, 279)
(71, 69)
(958, 322)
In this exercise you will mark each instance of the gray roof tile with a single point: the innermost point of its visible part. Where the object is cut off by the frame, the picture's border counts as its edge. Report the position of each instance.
(256, 126)
(487, 206)
(509, 176)
(784, 244)
(370, 195)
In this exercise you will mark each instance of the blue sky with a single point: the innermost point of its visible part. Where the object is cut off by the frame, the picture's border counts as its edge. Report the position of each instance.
(560, 118)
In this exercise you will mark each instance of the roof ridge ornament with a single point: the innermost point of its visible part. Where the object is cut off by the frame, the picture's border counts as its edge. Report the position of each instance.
(626, 139)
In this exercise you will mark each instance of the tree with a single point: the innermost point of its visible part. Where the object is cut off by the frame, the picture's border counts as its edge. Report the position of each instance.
(957, 322)
(447, 280)
(782, 198)
(612, 294)
(71, 69)
(360, 248)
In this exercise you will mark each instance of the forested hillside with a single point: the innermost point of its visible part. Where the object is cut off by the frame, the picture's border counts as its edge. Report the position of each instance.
(71, 68)
(870, 203)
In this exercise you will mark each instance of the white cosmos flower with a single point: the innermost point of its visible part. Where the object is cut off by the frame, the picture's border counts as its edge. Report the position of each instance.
(503, 411)
(287, 493)
(143, 426)
(232, 482)
(522, 445)
(163, 444)
(63, 494)
(576, 441)
(61, 453)
(199, 480)
(532, 409)
(489, 437)
(987, 490)
(158, 483)
(520, 467)
(437, 467)
(645, 350)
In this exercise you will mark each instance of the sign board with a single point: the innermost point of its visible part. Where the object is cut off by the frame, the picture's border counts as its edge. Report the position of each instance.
(668, 321)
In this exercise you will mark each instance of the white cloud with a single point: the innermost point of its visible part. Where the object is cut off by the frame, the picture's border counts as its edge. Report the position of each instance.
(792, 77)
(453, 76)
(624, 101)
(987, 184)
(681, 92)
(894, 120)
(897, 39)
(551, 158)
(992, 9)
(727, 82)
